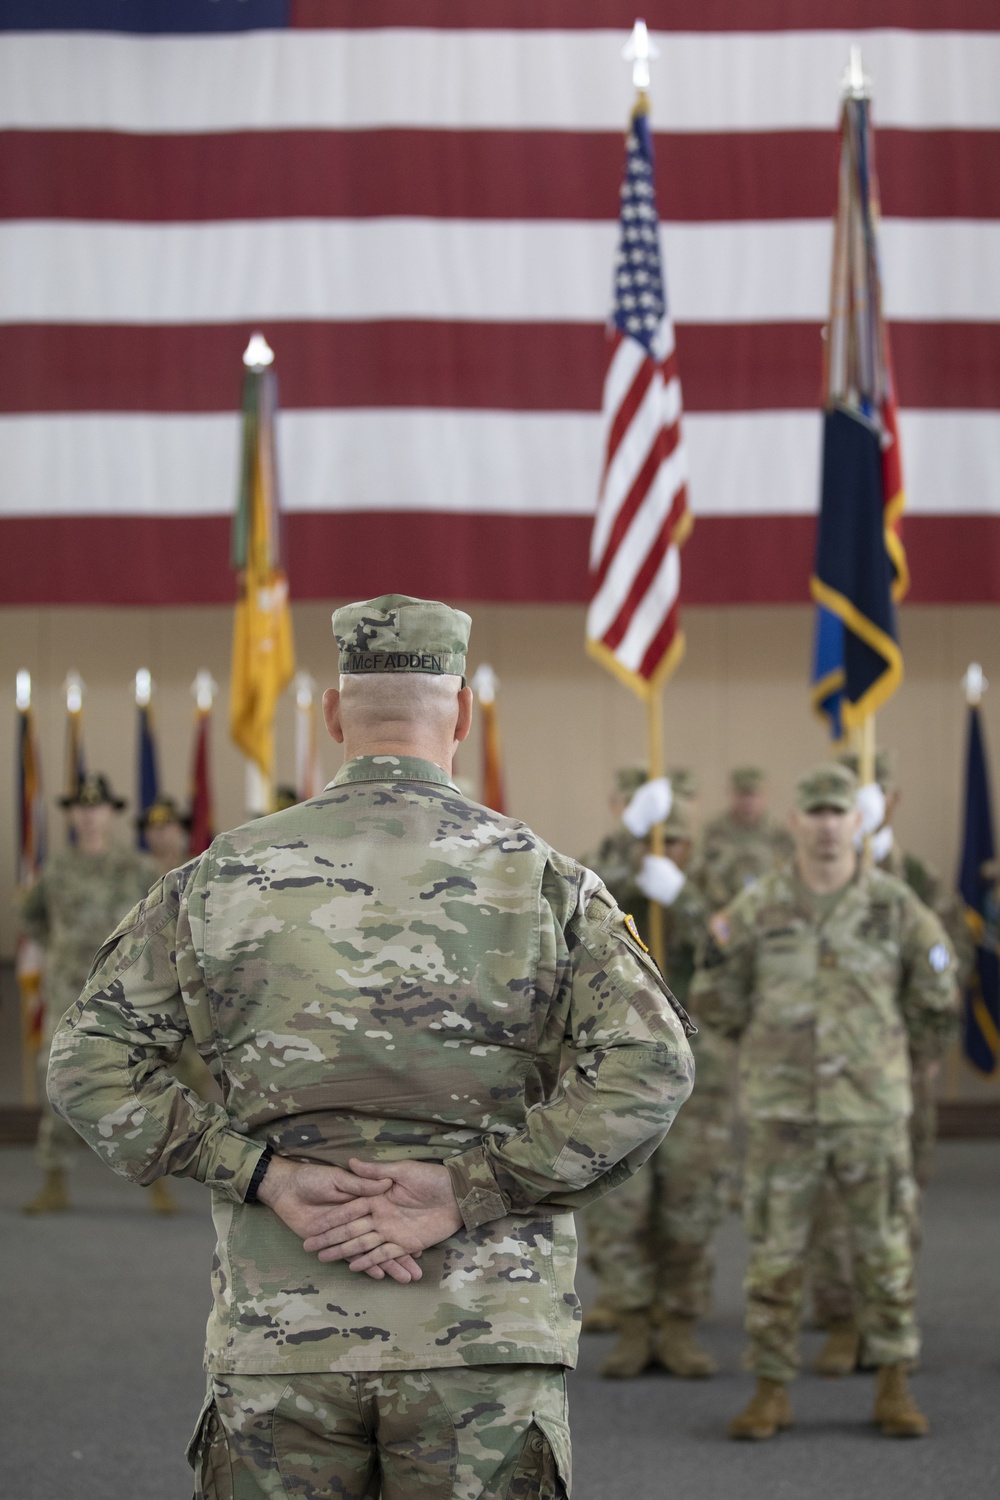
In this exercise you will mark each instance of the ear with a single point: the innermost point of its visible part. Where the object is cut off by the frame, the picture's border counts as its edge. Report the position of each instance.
(331, 715)
(464, 721)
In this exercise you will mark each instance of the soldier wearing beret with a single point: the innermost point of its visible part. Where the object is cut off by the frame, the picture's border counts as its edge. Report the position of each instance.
(742, 843)
(435, 1037)
(81, 893)
(830, 975)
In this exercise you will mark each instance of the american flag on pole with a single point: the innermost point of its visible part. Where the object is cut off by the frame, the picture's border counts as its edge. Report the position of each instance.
(633, 623)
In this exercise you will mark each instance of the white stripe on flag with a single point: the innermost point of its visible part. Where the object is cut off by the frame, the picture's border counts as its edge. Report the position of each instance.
(632, 452)
(743, 463)
(556, 80)
(635, 546)
(489, 270)
(652, 611)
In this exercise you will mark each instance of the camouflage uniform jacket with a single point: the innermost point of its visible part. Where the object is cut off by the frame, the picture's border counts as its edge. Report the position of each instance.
(388, 971)
(71, 908)
(826, 1008)
(730, 856)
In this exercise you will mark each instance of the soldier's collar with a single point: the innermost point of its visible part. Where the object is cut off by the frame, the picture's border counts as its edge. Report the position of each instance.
(392, 768)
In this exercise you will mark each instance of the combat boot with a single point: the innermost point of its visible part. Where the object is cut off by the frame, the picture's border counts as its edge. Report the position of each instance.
(677, 1351)
(769, 1412)
(633, 1352)
(53, 1198)
(599, 1319)
(895, 1410)
(839, 1355)
(161, 1199)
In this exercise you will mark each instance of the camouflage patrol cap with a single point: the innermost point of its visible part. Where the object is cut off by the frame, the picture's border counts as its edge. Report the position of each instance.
(827, 785)
(677, 824)
(683, 782)
(883, 766)
(747, 778)
(395, 633)
(628, 779)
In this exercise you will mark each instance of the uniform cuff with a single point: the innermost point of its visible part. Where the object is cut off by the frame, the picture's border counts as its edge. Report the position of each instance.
(480, 1200)
(234, 1161)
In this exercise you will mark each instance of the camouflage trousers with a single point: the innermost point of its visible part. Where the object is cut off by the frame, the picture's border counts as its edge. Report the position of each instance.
(830, 1264)
(649, 1241)
(788, 1167)
(472, 1432)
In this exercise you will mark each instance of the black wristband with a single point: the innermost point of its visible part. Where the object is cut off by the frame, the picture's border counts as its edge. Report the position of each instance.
(258, 1175)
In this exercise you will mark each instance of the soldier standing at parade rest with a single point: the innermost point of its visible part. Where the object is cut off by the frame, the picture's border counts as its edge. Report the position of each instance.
(434, 1036)
(830, 975)
(650, 1241)
(742, 843)
(81, 893)
(831, 1273)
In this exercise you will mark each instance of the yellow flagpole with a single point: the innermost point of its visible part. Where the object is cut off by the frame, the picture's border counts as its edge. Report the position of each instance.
(866, 775)
(655, 755)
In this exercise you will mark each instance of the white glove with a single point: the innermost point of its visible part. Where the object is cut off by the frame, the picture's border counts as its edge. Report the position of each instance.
(870, 802)
(650, 804)
(660, 880)
(882, 842)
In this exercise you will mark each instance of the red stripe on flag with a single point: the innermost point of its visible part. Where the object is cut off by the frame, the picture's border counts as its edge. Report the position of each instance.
(133, 560)
(667, 441)
(661, 15)
(493, 366)
(476, 174)
(627, 409)
(661, 640)
(644, 576)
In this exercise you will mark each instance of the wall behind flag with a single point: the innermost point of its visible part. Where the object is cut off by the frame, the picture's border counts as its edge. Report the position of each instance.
(736, 697)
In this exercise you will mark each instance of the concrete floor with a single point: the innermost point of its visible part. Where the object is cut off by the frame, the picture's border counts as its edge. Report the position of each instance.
(103, 1312)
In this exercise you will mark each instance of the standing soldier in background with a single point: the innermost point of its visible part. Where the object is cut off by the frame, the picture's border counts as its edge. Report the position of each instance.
(650, 1241)
(81, 894)
(166, 830)
(742, 843)
(392, 980)
(830, 975)
(831, 1270)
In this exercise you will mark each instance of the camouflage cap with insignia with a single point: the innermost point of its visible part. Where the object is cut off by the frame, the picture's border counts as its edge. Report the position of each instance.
(683, 782)
(883, 766)
(827, 785)
(747, 778)
(396, 633)
(628, 779)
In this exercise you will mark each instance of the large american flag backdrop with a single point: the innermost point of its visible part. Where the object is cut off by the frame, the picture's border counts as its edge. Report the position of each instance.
(415, 201)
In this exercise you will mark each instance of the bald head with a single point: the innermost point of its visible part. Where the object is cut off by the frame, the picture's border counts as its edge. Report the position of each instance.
(399, 713)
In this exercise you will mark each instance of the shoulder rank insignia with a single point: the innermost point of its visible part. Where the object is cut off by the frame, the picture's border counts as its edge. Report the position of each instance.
(634, 931)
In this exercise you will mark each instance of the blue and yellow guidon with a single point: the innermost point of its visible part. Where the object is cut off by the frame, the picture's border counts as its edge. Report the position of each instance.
(634, 931)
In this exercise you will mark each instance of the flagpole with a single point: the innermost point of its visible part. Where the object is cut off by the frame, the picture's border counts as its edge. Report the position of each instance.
(866, 775)
(28, 963)
(974, 685)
